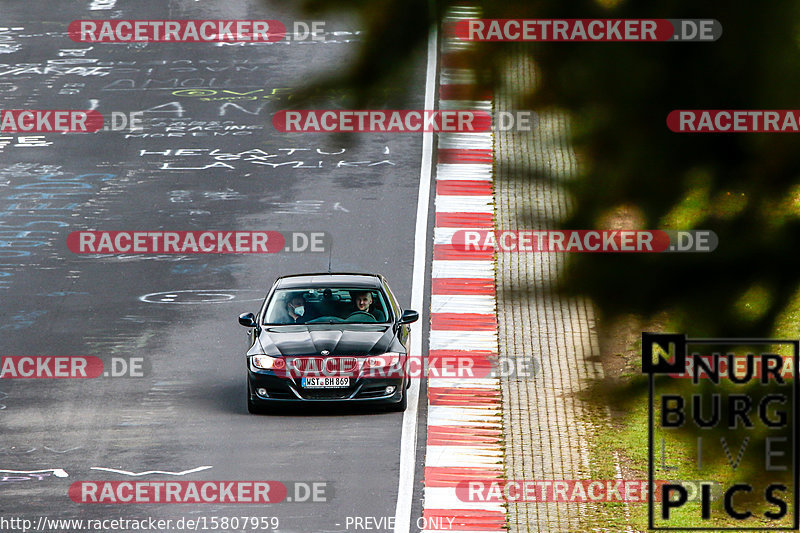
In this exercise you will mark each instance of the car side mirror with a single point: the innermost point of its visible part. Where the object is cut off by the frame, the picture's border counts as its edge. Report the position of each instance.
(248, 320)
(408, 317)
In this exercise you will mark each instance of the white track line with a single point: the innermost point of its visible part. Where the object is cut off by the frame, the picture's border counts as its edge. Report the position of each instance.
(58, 472)
(408, 440)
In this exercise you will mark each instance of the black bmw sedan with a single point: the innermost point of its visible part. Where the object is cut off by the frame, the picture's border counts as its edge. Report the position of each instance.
(332, 337)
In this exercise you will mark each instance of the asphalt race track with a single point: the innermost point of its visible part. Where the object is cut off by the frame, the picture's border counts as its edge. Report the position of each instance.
(208, 158)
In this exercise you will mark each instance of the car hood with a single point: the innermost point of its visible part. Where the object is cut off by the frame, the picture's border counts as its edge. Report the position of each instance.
(312, 340)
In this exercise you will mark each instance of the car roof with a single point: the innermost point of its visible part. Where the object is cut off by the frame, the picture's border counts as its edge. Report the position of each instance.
(333, 279)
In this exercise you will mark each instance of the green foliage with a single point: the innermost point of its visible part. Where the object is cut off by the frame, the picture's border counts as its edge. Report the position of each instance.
(742, 186)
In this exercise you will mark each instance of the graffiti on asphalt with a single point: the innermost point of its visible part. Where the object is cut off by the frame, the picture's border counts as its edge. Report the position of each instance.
(207, 158)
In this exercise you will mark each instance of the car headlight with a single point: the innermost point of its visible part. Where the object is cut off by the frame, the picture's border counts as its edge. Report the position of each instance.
(266, 362)
(390, 359)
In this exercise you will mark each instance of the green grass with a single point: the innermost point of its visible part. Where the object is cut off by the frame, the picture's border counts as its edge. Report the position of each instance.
(627, 439)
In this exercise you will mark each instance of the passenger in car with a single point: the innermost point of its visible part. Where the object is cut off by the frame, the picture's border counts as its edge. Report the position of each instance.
(295, 308)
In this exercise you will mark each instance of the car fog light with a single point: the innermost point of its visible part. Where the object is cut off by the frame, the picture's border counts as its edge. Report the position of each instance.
(261, 392)
(390, 389)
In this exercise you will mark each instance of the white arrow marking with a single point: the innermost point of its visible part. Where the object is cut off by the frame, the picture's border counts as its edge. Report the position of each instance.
(125, 472)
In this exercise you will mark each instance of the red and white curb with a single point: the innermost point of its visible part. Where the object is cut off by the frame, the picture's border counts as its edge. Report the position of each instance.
(464, 414)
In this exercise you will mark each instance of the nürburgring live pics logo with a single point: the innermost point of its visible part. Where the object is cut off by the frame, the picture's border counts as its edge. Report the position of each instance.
(725, 407)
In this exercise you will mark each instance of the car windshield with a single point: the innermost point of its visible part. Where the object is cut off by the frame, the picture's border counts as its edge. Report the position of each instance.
(327, 306)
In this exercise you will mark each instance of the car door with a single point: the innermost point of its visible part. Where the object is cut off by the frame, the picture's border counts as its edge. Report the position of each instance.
(403, 330)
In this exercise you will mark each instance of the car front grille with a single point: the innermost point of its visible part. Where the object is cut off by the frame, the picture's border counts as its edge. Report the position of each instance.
(328, 366)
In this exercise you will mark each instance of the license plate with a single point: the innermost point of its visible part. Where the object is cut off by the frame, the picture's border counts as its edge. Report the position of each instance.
(325, 383)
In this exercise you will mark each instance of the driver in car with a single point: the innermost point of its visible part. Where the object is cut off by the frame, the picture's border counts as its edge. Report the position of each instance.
(362, 302)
